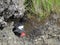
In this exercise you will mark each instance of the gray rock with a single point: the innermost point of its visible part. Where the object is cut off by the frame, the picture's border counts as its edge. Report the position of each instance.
(9, 8)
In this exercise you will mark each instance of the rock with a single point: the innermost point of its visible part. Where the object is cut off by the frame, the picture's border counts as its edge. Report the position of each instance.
(11, 8)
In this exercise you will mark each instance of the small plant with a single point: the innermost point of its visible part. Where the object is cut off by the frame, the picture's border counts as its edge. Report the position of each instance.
(42, 8)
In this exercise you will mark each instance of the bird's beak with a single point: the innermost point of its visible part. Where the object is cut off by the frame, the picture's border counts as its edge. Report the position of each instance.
(23, 34)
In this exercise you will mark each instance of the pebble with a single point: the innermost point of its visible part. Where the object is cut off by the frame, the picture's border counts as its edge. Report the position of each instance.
(42, 36)
(10, 37)
(49, 28)
(36, 40)
(39, 38)
(15, 42)
(1, 20)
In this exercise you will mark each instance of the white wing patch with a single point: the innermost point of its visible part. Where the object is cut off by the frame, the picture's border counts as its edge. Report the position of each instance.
(21, 27)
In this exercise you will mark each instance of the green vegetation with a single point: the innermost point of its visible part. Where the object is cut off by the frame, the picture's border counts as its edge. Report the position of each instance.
(42, 8)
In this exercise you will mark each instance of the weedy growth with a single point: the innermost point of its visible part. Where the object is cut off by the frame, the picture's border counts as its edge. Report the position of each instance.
(42, 8)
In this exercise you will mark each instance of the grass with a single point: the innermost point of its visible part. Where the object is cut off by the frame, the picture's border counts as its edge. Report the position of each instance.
(42, 8)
